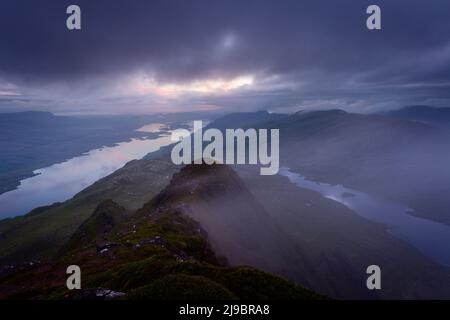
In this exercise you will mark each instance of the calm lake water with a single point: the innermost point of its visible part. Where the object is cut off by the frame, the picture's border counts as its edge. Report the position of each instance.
(431, 238)
(63, 180)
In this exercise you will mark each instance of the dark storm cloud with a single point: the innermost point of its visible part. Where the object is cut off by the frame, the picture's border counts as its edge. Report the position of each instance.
(323, 43)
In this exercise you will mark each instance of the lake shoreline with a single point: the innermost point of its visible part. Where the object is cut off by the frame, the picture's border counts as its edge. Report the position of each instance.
(106, 159)
(15, 179)
(424, 234)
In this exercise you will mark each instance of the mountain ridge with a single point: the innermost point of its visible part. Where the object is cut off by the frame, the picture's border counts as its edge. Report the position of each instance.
(156, 253)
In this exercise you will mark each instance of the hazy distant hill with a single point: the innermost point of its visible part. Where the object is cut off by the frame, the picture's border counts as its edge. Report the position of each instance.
(245, 120)
(24, 117)
(390, 157)
(437, 116)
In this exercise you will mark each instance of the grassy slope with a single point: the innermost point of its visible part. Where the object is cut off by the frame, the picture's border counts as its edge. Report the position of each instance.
(158, 253)
(39, 236)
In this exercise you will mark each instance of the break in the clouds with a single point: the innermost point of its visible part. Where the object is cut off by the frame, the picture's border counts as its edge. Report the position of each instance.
(152, 56)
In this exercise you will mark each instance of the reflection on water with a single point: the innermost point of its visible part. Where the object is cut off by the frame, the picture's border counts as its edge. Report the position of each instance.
(431, 238)
(152, 127)
(61, 181)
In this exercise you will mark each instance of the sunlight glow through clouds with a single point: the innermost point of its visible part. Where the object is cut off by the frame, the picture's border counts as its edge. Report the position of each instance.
(8, 89)
(8, 93)
(209, 86)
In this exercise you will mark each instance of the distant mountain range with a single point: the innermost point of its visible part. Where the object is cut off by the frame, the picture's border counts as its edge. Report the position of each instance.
(25, 116)
(383, 155)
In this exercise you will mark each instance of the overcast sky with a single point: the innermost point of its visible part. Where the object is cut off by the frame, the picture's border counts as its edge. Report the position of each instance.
(152, 56)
